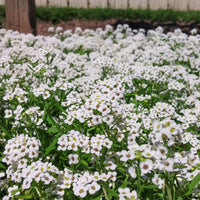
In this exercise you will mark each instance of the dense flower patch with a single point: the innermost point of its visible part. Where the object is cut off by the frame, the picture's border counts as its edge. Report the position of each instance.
(105, 114)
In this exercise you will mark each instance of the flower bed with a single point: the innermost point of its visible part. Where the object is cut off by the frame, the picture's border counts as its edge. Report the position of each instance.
(100, 115)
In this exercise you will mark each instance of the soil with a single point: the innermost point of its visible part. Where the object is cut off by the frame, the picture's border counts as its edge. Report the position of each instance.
(42, 26)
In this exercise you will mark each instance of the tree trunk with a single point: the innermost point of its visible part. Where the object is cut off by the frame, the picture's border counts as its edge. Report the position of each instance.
(21, 16)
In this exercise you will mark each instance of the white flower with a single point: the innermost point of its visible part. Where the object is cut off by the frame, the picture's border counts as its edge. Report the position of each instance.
(18, 110)
(46, 95)
(127, 155)
(158, 181)
(111, 165)
(73, 159)
(9, 96)
(96, 120)
(93, 187)
(108, 119)
(132, 172)
(107, 143)
(146, 166)
(104, 177)
(22, 163)
(59, 29)
(123, 192)
(47, 178)
(148, 153)
(161, 152)
(8, 113)
(26, 183)
(167, 165)
(60, 190)
(12, 191)
(96, 176)
(193, 31)
(80, 190)
(132, 195)
(2, 174)
(6, 198)
(104, 109)
(51, 29)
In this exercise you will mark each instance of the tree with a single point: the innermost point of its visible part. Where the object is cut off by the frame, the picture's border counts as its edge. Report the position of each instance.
(21, 16)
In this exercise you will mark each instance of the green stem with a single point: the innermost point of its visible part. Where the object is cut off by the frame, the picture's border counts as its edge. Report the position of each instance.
(169, 193)
(38, 192)
(105, 193)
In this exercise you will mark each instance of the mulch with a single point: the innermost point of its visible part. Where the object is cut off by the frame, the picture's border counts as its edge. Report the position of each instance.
(167, 26)
(43, 26)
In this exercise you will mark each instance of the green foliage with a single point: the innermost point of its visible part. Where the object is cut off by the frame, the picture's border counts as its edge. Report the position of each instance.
(193, 184)
(2, 16)
(55, 14)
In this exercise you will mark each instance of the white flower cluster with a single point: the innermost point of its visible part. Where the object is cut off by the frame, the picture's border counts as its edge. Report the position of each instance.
(109, 109)
(20, 147)
(75, 140)
(84, 184)
(125, 193)
(105, 97)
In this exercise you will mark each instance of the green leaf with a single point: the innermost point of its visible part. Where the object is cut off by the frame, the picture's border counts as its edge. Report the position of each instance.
(193, 183)
(150, 186)
(25, 197)
(90, 129)
(84, 163)
(124, 184)
(52, 146)
(49, 120)
(52, 122)
(98, 198)
(52, 130)
(60, 108)
(112, 193)
(180, 198)
(5, 131)
(160, 194)
(2, 167)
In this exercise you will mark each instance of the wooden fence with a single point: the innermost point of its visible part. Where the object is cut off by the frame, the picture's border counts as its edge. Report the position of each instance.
(134, 4)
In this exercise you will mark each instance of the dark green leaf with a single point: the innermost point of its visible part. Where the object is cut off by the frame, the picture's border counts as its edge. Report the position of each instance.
(52, 146)
(84, 163)
(52, 122)
(2, 167)
(25, 197)
(124, 184)
(52, 130)
(193, 184)
(150, 186)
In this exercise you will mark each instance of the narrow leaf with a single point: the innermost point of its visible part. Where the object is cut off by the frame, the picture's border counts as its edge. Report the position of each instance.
(52, 122)
(84, 163)
(2, 167)
(193, 184)
(150, 186)
(98, 198)
(124, 184)
(52, 130)
(25, 197)
(5, 131)
(180, 198)
(60, 108)
(52, 146)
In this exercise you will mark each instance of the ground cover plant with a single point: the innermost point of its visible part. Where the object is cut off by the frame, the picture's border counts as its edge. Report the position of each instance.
(105, 114)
